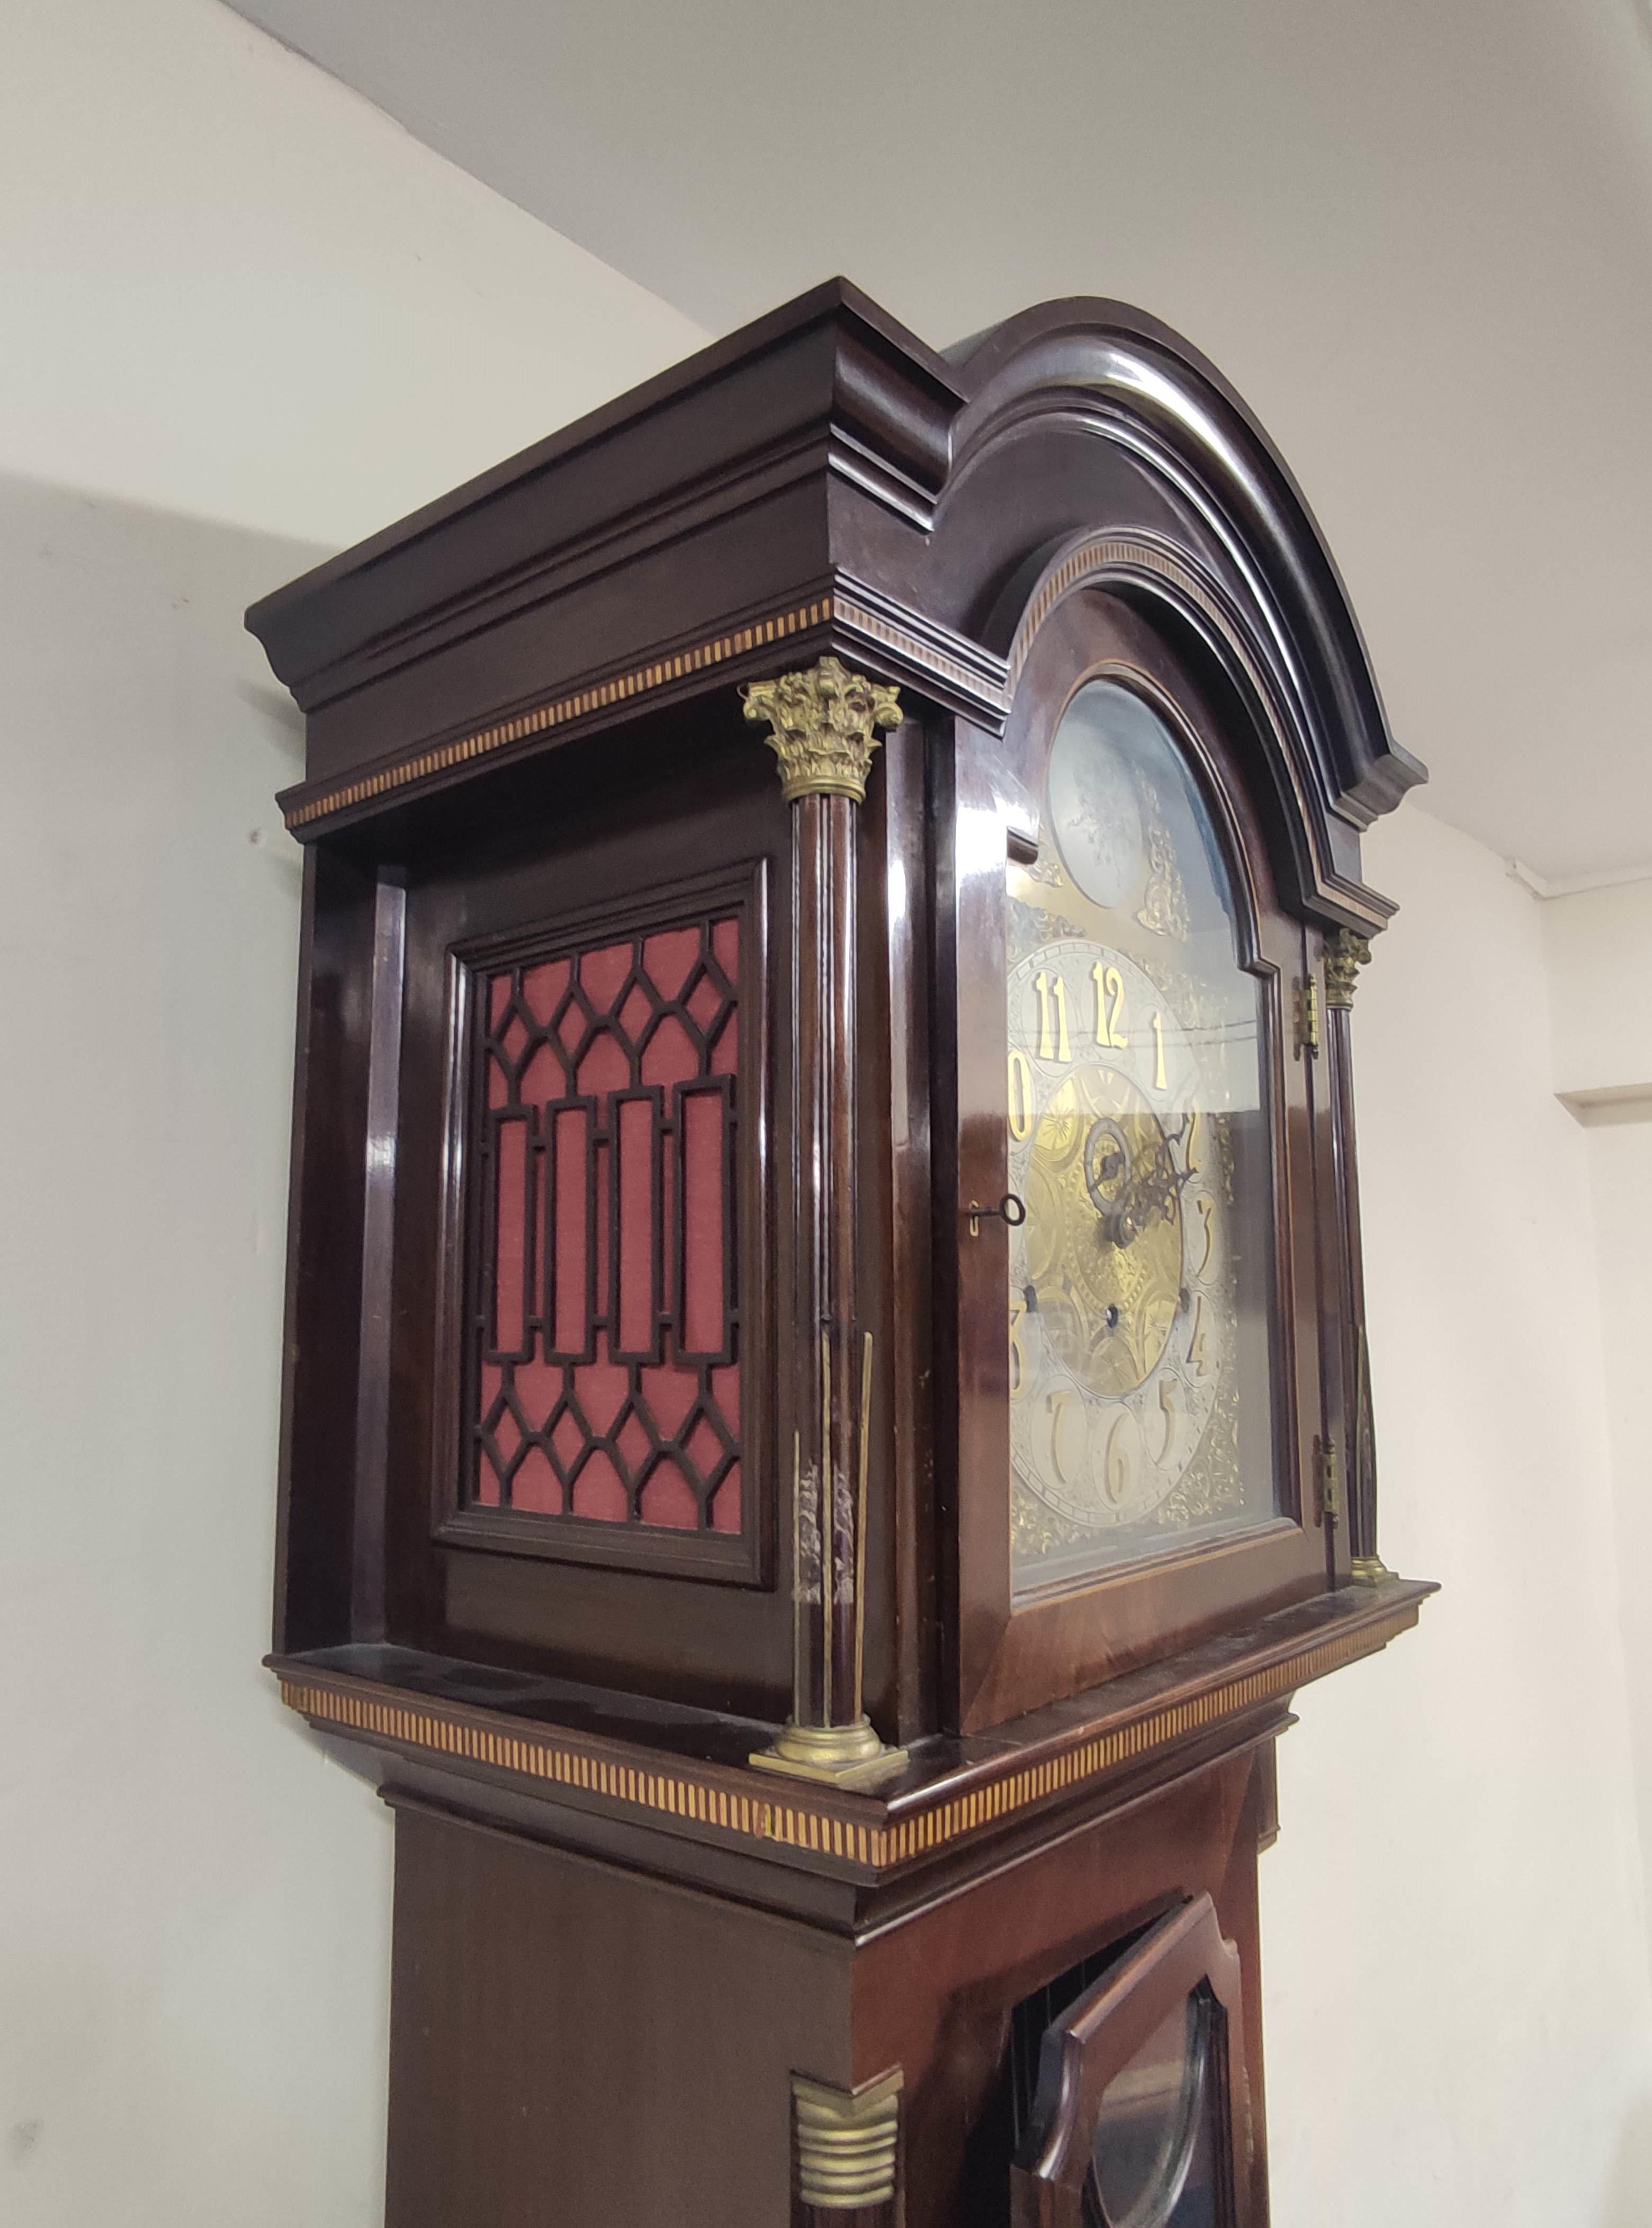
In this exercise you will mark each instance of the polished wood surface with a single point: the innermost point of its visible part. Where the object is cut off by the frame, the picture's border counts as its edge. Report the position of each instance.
(823, 450)
(540, 1999)
(681, 1773)
(561, 2023)
(1347, 1336)
(616, 1942)
(317, 1521)
(1011, 1657)
(1093, 2043)
(981, 534)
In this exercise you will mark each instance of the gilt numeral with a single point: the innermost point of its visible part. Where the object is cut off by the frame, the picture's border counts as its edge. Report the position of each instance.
(1110, 1008)
(1021, 1096)
(1197, 1355)
(1051, 994)
(1017, 1351)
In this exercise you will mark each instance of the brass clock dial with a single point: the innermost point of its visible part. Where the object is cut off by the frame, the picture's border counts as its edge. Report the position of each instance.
(1116, 1276)
(1140, 1283)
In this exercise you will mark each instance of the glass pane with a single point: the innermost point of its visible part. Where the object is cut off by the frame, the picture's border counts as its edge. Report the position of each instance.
(1153, 2156)
(1141, 1283)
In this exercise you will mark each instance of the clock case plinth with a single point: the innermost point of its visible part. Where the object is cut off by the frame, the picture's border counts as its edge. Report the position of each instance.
(616, 1944)
(524, 702)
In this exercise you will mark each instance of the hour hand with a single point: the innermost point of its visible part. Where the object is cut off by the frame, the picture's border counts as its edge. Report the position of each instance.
(1130, 1190)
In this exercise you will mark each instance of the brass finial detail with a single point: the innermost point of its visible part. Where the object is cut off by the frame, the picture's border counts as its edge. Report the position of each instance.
(1345, 954)
(824, 722)
(847, 2142)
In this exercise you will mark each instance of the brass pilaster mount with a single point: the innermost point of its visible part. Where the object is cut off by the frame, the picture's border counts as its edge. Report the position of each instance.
(849, 1756)
(1346, 952)
(847, 2142)
(823, 724)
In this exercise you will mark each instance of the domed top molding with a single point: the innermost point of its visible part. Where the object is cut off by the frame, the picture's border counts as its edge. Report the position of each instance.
(1152, 477)
(823, 481)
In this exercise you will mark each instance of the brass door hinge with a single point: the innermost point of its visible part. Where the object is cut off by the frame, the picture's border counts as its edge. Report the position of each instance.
(1330, 1482)
(1307, 1016)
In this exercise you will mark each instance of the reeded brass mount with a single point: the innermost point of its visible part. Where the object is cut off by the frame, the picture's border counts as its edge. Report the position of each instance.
(848, 2142)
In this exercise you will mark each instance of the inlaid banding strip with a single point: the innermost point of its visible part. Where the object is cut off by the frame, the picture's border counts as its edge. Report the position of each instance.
(539, 718)
(794, 1823)
(847, 611)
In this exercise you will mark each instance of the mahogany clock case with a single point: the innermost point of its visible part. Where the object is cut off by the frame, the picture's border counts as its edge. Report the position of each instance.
(526, 740)
(652, 1125)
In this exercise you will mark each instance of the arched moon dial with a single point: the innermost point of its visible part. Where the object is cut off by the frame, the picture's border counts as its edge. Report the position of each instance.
(1116, 1336)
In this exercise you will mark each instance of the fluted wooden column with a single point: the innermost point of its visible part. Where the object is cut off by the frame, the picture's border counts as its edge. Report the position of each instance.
(1345, 954)
(823, 726)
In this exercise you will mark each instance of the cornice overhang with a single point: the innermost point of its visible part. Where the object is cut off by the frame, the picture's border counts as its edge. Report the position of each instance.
(812, 484)
(827, 388)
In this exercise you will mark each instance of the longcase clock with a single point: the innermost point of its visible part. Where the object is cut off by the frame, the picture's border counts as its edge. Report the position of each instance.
(827, 1408)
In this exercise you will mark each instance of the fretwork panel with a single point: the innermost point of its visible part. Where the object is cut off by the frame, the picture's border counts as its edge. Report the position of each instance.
(604, 1314)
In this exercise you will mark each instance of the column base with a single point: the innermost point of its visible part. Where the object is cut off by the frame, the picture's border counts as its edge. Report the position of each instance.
(842, 1756)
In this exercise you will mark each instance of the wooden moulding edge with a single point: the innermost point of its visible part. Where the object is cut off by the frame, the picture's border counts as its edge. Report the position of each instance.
(864, 1831)
(847, 616)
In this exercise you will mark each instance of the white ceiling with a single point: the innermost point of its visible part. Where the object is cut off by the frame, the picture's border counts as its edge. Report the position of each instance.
(1416, 234)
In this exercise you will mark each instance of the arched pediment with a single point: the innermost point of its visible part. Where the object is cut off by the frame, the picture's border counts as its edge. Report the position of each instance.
(1096, 447)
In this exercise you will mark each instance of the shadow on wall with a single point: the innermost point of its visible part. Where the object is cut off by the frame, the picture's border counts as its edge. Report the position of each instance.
(1629, 2196)
(194, 1936)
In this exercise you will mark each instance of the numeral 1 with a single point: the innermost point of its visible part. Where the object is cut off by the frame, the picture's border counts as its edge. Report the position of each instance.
(1158, 1053)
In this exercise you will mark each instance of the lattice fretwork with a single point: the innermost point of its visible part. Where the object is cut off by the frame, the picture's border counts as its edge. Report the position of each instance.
(603, 1305)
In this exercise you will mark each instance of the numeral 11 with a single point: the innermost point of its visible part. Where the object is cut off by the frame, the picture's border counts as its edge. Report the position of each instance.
(1051, 991)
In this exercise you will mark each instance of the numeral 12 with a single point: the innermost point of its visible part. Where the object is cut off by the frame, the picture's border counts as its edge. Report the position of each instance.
(1109, 984)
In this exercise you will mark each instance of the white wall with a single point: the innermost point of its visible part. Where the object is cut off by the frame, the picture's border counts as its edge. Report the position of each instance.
(1620, 1169)
(193, 1936)
(1598, 946)
(1455, 1940)
(233, 288)
(239, 306)
(1598, 951)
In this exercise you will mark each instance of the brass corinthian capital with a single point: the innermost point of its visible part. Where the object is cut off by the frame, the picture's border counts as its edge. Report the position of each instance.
(823, 724)
(1345, 954)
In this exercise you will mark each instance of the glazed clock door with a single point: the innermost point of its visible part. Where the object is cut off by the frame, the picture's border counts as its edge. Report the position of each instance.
(1142, 1343)
(1141, 2118)
(1148, 1470)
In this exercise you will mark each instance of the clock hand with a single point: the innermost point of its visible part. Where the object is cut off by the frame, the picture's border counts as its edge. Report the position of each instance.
(1148, 1184)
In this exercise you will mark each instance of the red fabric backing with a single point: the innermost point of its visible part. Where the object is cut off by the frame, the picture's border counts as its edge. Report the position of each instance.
(606, 1369)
